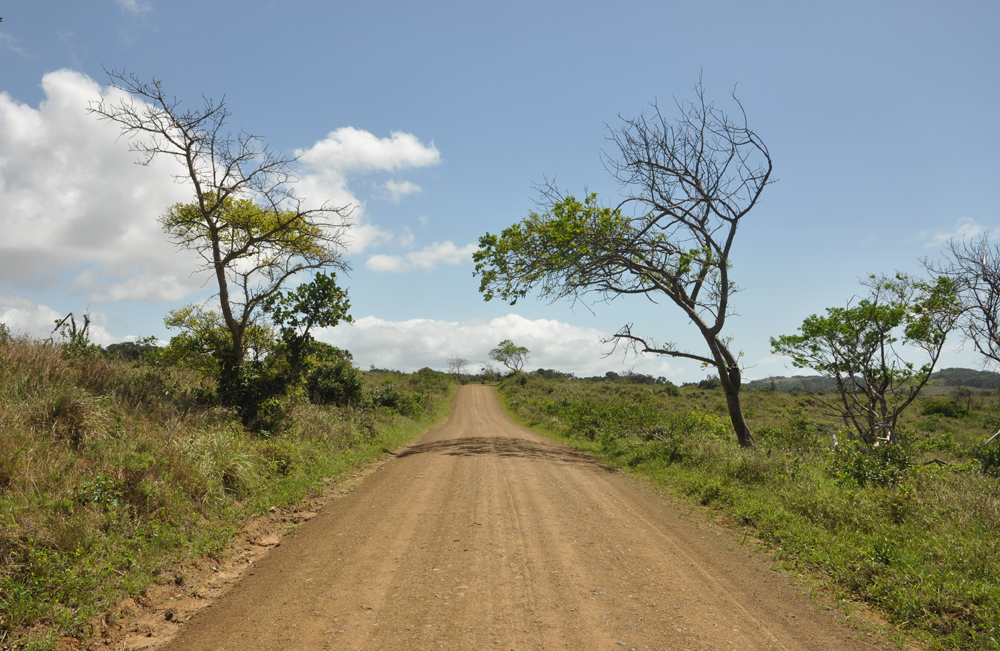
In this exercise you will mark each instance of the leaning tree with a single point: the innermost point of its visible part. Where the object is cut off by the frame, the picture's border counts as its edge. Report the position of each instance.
(688, 183)
(245, 221)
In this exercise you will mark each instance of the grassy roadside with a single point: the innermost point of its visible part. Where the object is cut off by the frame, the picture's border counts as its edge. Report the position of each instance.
(110, 472)
(917, 542)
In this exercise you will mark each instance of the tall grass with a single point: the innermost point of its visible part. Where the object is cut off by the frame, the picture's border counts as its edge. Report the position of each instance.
(918, 542)
(111, 472)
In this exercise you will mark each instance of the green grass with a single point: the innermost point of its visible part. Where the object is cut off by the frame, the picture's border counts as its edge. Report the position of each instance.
(917, 542)
(111, 472)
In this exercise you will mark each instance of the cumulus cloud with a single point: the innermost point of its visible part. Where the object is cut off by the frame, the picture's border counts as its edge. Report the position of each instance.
(418, 343)
(352, 150)
(73, 200)
(348, 151)
(965, 229)
(75, 208)
(426, 259)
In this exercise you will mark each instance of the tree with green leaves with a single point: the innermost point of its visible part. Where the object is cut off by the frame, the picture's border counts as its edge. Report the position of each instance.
(245, 221)
(867, 348)
(688, 183)
(320, 303)
(510, 355)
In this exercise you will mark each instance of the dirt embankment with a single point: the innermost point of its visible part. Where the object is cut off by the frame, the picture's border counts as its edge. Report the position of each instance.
(484, 535)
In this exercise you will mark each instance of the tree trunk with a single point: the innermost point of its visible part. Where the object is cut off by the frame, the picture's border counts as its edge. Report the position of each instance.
(731, 380)
(743, 434)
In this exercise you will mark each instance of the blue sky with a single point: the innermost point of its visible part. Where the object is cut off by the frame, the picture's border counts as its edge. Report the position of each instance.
(436, 120)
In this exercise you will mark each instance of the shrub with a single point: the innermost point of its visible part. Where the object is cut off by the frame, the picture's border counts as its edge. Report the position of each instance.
(989, 458)
(879, 465)
(947, 407)
(388, 396)
(335, 383)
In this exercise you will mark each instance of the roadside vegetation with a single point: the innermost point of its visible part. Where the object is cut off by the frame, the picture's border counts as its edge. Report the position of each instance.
(113, 469)
(909, 528)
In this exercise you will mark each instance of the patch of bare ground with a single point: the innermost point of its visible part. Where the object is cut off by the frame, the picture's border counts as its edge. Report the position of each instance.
(481, 535)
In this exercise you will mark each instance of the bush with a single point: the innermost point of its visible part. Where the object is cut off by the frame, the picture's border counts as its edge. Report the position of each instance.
(387, 396)
(947, 407)
(989, 458)
(879, 465)
(335, 383)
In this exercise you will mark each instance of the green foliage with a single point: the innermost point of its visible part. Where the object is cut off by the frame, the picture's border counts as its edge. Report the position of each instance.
(553, 251)
(319, 303)
(861, 346)
(280, 356)
(947, 407)
(134, 351)
(989, 458)
(510, 355)
(335, 382)
(878, 465)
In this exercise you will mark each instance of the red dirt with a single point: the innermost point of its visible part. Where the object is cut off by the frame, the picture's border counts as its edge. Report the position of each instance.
(484, 535)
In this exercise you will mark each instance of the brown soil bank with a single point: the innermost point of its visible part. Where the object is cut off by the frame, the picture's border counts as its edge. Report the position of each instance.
(483, 535)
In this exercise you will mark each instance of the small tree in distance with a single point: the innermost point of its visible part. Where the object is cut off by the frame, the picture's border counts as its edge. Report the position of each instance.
(456, 364)
(510, 355)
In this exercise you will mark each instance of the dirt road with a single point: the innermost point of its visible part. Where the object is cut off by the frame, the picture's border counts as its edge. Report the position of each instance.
(483, 535)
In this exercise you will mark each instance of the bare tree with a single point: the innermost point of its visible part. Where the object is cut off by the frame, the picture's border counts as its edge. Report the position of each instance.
(688, 183)
(456, 364)
(245, 220)
(973, 266)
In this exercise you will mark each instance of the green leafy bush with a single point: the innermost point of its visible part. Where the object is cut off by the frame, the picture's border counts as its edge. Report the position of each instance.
(989, 458)
(879, 465)
(335, 383)
(947, 407)
(388, 396)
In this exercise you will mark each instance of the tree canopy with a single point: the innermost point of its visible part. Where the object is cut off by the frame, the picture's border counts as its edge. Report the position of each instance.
(510, 355)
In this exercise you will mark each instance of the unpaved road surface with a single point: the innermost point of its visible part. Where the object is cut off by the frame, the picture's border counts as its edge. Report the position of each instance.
(483, 535)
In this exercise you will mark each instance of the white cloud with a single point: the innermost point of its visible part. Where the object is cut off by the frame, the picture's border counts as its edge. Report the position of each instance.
(417, 343)
(426, 259)
(73, 200)
(352, 150)
(76, 211)
(399, 189)
(135, 6)
(965, 229)
(8, 41)
(349, 151)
